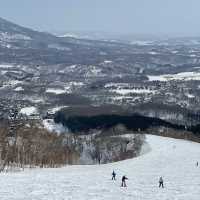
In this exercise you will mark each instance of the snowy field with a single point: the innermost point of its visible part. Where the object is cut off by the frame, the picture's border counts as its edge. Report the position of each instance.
(133, 91)
(175, 160)
(184, 76)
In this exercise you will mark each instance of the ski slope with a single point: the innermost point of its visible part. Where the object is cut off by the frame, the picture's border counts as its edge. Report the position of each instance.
(173, 159)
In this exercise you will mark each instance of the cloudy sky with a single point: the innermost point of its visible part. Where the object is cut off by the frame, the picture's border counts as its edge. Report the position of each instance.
(158, 17)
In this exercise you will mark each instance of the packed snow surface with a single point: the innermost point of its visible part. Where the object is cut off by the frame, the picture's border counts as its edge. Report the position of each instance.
(173, 159)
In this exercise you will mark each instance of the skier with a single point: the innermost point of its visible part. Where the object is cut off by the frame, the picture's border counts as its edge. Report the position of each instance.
(161, 182)
(113, 175)
(197, 164)
(124, 178)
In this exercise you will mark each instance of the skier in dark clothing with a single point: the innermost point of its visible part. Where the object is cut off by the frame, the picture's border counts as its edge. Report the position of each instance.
(124, 178)
(161, 182)
(197, 164)
(113, 175)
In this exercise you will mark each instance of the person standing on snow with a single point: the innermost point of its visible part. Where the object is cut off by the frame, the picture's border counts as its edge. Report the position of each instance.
(161, 182)
(113, 175)
(197, 164)
(124, 178)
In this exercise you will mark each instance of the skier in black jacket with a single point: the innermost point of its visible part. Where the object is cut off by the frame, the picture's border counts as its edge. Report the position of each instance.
(161, 182)
(113, 175)
(124, 178)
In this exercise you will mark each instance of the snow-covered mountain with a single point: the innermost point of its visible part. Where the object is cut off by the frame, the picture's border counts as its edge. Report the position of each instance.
(174, 160)
(15, 36)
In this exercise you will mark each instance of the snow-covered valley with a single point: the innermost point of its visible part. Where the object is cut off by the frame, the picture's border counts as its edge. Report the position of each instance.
(173, 159)
(42, 71)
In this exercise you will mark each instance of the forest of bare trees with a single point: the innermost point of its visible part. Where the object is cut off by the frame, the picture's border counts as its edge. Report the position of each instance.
(26, 144)
(33, 146)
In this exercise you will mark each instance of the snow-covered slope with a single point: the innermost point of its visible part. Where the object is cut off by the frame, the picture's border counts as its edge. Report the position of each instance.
(173, 159)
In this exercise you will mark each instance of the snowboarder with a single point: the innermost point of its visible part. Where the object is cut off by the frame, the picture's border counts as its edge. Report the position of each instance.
(124, 178)
(113, 175)
(161, 182)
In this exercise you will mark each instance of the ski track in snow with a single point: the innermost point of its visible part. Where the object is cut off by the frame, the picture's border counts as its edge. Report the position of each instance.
(173, 159)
